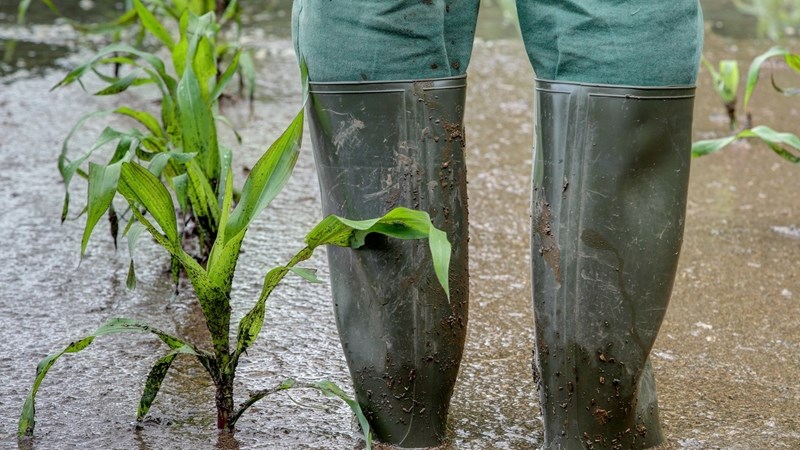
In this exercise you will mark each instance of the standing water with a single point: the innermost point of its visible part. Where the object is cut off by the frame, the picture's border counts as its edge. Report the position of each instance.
(727, 360)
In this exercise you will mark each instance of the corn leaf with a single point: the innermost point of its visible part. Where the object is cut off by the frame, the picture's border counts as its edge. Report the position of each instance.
(266, 179)
(120, 85)
(709, 146)
(776, 141)
(142, 117)
(330, 389)
(27, 420)
(400, 223)
(102, 187)
(203, 200)
(152, 24)
(226, 76)
(156, 376)
(783, 144)
(141, 188)
(197, 123)
(156, 63)
(133, 234)
(159, 162)
(755, 70)
(222, 258)
(248, 74)
(309, 275)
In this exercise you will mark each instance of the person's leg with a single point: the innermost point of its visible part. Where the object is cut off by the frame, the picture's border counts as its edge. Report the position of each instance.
(610, 178)
(386, 116)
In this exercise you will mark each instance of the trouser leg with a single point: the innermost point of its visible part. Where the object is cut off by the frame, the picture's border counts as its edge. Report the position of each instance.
(610, 178)
(379, 144)
(371, 40)
(633, 42)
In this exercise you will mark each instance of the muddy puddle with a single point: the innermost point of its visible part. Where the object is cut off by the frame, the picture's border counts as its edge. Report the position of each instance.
(727, 360)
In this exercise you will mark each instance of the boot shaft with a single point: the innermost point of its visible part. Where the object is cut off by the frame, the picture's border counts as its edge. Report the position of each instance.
(611, 170)
(378, 146)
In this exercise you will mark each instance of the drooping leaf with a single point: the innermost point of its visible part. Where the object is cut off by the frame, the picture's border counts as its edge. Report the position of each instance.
(68, 168)
(708, 146)
(226, 76)
(163, 78)
(783, 144)
(776, 141)
(113, 222)
(400, 223)
(251, 323)
(156, 377)
(755, 70)
(309, 275)
(133, 233)
(119, 85)
(330, 389)
(102, 187)
(27, 420)
(153, 384)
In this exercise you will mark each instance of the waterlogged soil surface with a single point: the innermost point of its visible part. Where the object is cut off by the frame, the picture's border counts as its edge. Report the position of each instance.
(727, 360)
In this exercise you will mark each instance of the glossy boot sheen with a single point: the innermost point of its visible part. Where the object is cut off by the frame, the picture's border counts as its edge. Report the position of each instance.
(611, 171)
(379, 145)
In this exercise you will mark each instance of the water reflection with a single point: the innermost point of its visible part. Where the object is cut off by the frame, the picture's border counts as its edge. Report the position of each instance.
(731, 335)
(33, 57)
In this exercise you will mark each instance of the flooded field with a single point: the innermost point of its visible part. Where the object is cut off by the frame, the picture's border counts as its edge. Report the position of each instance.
(727, 360)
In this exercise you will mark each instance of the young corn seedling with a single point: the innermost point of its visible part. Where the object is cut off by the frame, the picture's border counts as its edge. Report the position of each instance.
(180, 147)
(726, 84)
(784, 144)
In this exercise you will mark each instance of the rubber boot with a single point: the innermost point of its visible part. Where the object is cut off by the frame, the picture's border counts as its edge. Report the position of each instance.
(379, 145)
(610, 178)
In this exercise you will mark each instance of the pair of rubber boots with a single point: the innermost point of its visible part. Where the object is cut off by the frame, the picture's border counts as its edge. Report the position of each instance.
(610, 178)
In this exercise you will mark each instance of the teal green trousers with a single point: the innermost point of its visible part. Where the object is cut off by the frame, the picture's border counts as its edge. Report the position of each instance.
(623, 42)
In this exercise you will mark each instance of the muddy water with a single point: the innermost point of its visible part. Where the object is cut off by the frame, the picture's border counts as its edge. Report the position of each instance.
(727, 360)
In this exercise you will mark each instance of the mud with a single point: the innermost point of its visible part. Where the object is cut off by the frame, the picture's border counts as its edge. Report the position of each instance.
(727, 360)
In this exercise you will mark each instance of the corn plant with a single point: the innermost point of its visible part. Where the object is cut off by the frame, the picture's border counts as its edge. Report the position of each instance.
(726, 84)
(153, 210)
(180, 146)
(784, 144)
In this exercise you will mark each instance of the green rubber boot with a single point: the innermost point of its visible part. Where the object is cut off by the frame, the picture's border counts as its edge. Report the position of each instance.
(379, 145)
(610, 178)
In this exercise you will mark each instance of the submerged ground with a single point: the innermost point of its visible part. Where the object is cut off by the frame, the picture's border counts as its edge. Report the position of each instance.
(727, 360)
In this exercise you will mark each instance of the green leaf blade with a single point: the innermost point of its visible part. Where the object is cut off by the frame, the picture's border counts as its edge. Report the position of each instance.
(267, 178)
(140, 187)
(152, 24)
(102, 188)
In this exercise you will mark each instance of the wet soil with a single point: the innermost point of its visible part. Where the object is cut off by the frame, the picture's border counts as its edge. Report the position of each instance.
(727, 361)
